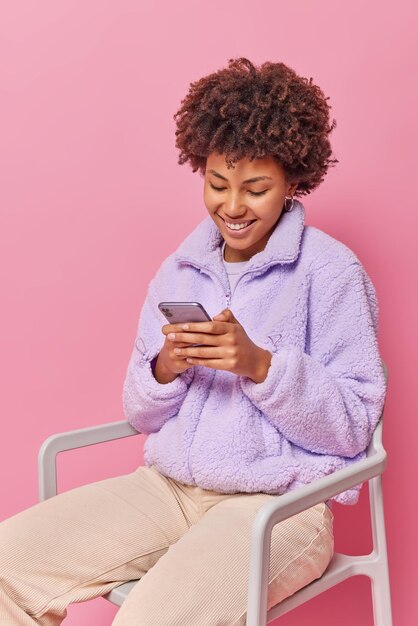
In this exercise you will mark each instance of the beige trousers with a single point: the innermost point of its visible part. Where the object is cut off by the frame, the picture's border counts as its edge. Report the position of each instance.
(189, 546)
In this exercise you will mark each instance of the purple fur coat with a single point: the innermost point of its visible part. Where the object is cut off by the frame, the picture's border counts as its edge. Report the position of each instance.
(308, 300)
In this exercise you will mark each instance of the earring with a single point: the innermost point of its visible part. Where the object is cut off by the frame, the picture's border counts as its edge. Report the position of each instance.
(285, 204)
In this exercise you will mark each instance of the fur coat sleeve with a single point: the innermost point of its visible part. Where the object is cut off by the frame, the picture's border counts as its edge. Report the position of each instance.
(147, 403)
(328, 399)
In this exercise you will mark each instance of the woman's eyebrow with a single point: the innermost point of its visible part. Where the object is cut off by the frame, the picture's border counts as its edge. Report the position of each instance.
(249, 180)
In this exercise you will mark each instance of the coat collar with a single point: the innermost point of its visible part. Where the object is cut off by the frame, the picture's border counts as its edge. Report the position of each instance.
(202, 247)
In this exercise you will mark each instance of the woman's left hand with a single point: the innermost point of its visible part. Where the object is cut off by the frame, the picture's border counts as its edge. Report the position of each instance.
(226, 346)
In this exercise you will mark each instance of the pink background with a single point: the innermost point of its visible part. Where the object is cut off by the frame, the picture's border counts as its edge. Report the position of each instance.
(92, 199)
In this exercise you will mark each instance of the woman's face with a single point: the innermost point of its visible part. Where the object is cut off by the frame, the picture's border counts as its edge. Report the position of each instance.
(245, 202)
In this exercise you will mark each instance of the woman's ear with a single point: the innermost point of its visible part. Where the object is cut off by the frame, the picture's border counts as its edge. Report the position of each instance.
(291, 189)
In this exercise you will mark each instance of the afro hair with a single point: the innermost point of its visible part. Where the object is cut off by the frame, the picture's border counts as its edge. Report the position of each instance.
(245, 111)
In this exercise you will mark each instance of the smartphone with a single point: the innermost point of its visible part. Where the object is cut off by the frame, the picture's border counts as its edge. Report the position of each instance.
(182, 312)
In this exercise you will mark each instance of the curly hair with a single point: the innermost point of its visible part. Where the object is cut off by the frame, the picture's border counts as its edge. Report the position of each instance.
(244, 111)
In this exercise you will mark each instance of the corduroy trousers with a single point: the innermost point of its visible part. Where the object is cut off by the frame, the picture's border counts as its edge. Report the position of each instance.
(188, 545)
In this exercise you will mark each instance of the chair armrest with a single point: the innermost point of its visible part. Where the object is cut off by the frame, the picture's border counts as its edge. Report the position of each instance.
(322, 489)
(47, 472)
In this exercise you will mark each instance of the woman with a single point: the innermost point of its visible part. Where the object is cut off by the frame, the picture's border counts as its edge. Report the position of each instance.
(286, 385)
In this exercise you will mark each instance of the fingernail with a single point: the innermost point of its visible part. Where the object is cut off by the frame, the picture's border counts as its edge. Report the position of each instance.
(185, 327)
(177, 350)
(171, 336)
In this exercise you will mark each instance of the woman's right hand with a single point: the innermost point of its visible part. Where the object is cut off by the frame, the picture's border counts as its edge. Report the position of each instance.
(169, 365)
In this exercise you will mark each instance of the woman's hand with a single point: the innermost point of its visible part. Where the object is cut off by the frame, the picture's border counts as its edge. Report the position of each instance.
(169, 364)
(226, 346)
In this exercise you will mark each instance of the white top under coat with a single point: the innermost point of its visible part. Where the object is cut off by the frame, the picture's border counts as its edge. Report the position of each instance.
(234, 270)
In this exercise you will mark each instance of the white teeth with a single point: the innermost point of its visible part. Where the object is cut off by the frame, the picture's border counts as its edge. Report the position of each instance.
(237, 226)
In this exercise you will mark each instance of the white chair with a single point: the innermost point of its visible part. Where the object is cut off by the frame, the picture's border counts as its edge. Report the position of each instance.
(342, 566)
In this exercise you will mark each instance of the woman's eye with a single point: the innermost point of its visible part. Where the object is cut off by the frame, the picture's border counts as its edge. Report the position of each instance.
(252, 193)
(258, 193)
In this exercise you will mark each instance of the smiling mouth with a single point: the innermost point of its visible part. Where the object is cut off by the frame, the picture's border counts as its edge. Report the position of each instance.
(236, 226)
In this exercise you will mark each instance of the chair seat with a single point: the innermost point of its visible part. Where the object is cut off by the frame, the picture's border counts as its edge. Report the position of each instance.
(119, 594)
(341, 566)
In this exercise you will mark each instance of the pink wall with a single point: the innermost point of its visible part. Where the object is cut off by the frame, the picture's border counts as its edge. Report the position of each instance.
(92, 199)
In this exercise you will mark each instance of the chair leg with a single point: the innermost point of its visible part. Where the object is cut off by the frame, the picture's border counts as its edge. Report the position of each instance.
(382, 610)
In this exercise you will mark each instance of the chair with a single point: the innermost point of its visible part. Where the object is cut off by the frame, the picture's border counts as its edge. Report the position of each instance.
(341, 566)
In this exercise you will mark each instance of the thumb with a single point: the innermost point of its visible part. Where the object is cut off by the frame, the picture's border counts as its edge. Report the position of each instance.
(226, 316)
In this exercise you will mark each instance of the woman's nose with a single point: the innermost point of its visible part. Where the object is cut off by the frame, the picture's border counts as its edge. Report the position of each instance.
(233, 206)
